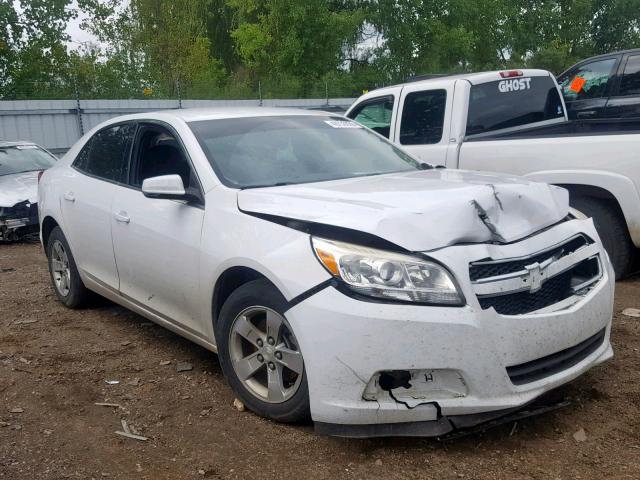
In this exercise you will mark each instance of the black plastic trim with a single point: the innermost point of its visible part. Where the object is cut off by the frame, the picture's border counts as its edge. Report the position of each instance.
(309, 293)
(331, 232)
(556, 362)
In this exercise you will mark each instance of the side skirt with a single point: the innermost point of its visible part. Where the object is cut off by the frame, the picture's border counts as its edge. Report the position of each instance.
(115, 296)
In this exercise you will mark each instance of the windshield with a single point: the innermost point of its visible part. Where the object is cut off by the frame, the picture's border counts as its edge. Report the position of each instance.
(279, 150)
(513, 102)
(24, 158)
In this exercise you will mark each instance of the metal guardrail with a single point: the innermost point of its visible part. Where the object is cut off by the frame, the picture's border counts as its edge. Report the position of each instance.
(58, 124)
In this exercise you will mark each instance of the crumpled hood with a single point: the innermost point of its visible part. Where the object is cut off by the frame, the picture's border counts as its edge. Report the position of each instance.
(420, 210)
(17, 188)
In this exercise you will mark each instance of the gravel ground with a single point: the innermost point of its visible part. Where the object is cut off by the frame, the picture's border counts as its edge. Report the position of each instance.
(54, 363)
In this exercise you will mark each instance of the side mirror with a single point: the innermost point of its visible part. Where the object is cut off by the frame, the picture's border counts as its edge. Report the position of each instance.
(168, 187)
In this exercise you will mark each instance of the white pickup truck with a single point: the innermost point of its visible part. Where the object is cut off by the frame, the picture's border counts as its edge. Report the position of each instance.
(515, 122)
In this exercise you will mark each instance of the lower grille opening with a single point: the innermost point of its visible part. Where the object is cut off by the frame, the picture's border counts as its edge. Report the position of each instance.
(556, 362)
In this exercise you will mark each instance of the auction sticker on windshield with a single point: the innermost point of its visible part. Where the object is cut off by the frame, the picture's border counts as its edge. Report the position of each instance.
(342, 124)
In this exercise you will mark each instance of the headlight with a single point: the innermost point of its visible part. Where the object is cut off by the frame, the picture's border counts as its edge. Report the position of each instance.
(388, 275)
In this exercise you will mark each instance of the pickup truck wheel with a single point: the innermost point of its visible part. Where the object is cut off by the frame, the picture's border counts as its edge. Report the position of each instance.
(65, 278)
(259, 353)
(612, 229)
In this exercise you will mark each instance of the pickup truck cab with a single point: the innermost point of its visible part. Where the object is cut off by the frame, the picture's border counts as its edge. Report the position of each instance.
(603, 87)
(516, 122)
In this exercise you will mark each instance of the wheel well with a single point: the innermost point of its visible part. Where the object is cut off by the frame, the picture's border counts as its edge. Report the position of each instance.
(48, 224)
(593, 192)
(589, 191)
(229, 281)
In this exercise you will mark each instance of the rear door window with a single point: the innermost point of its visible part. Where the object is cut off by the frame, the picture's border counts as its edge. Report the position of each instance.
(423, 117)
(106, 155)
(587, 81)
(512, 102)
(375, 114)
(630, 81)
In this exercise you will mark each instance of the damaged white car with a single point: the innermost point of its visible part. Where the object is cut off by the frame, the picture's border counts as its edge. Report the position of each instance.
(335, 275)
(20, 165)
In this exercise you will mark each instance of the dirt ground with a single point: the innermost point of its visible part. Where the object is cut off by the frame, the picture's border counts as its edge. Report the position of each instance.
(54, 363)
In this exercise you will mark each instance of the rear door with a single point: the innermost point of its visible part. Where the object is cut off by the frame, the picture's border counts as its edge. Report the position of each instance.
(157, 241)
(99, 170)
(625, 100)
(424, 118)
(587, 86)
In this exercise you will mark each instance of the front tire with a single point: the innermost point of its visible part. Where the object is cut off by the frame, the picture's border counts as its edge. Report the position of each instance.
(259, 354)
(65, 278)
(612, 229)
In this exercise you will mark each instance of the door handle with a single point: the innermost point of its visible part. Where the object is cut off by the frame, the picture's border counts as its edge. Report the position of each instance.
(586, 114)
(69, 197)
(122, 217)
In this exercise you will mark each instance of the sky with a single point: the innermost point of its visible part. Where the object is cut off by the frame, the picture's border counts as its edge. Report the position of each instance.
(77, 35)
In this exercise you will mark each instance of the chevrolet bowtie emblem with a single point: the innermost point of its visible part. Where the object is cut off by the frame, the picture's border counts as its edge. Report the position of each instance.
(536, 273)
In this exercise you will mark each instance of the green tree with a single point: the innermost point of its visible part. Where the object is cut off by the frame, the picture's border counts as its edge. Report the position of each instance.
(33, 48)
(301, 41)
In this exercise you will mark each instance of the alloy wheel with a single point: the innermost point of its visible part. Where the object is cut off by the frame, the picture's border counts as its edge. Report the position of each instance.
(265, 354)
(60, 268)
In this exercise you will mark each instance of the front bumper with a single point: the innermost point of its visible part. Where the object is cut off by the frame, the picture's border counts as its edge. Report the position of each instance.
(21, 220)
(346, 342)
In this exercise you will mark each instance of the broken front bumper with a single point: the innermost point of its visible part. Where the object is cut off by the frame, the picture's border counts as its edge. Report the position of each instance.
(475, 358)
(18, 221)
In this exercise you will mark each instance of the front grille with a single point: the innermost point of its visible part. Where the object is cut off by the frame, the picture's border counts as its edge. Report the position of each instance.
(484, 269)
(556, 362)
(522, 285)
(553, 291)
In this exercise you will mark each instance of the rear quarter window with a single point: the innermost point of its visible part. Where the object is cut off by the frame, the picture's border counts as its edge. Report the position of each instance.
(512, 102)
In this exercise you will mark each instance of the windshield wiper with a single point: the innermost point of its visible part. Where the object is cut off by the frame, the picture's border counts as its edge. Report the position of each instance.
(267, 185)
(22, 171)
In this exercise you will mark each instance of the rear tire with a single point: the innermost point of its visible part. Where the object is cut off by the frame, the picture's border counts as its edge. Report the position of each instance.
(612, 229)
(258, 350)
(65, 278)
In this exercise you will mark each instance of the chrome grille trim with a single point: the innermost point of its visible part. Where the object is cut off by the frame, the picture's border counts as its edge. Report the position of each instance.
(535, 275)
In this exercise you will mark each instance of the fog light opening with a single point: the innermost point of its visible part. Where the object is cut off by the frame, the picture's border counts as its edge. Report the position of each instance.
(394, 379)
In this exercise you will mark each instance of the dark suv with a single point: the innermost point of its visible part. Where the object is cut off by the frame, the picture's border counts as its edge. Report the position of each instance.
(603, 87)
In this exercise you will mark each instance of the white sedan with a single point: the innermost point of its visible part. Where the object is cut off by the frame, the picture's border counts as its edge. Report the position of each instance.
(336, 276)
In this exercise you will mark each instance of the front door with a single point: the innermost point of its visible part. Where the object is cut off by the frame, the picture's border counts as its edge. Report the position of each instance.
(625, 102)
(586, 88)
(156, 241)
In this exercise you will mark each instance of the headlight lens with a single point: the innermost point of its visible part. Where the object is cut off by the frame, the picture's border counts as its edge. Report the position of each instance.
(382, 274)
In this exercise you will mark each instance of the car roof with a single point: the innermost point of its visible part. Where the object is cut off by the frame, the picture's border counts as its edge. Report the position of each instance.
(603, 55)
(218, 113)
